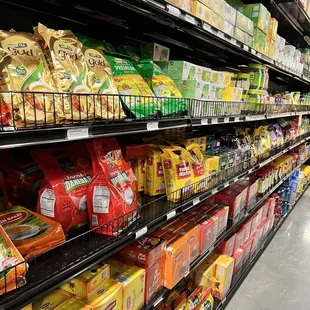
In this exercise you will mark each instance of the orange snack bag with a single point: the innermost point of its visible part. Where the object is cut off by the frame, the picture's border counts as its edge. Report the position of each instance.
(113, 191)
(10, 278)
(67, 169)
(31, 232)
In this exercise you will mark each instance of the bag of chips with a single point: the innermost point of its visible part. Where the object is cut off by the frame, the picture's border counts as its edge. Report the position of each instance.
(113, 191)
(62, 197)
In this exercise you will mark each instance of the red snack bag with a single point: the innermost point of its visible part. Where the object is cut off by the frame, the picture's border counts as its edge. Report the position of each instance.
(62, 197)
(113, 191)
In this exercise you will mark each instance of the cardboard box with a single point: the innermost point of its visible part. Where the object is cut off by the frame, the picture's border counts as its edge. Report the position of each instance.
(239, 238)
(230, 14)
(258, 14)
(222, 214)
(181, 70)
(217, 20)
(259, 41)
(155, 51)
(241, 21)
(85, 283)
(273, 29)
(219, 7)
(239, 35)
(238, 256)
(247, 229)
(252, 190)
(229, 29)
(206, 74)
(204, 274)
(73, 304)
(52, 300)
(109, 293)
(190, 88)
(246, 247)
(224, 266)
(182, 4)
(227, 246)
(271, 207)
(201, 11)
(255, 222)
(208, 233)
(232, 199)
(208, 3)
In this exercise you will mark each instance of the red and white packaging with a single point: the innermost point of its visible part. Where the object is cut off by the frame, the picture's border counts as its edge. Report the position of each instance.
(260, 215)
(222, 214)
(227, 246)
(241, 188)
(255, 221)
(238, 256)
(247, 229)
(257, 235)
(208, 233)
(113, 192)
(246, 246)
(62, 197)
(271, 207)
(264, 208)
(232, 199)
(239, 238)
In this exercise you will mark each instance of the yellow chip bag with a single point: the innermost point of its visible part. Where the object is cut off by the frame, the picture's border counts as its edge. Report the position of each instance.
(67, 64)
(24, 68)
(176, 164)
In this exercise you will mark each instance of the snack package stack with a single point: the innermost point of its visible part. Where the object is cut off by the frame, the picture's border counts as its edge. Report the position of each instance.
(244, 29)
(203, 10)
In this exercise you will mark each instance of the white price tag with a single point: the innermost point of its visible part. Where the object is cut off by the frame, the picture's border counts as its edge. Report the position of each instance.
(173, 11)
(226, 119)
(190, 19)
(141, 232)
(259, 55)
(254, 52)
(226, 184)
(206, 27)
(214, 191)
(233, 41)
(220, 34)
(150, 126)
(171, 214)
(246, 48)
(196, 201)
(77, 133)
(204, 121)
(158, 301)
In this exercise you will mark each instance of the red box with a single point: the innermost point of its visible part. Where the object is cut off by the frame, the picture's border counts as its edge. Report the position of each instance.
(257, 235)
(247, 229)
(208, 233)
(222, 214)
(239, 238)
(135, 151)
(265, 210)
(227, 246)
(264, 224)
(272, 205)
(173, 226)
(232, 199)
(242, 189)
(260, 215)
(238, 256)
(254, 223)
(246, 247)
(252, 182)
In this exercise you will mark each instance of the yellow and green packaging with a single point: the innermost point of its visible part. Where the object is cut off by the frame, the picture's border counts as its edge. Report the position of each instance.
(259, 41)
(228, 28)
(181, 70)
(155, 52)
(219, 7)
(239, 35)
(201, 11)
(230, 14)
(241, 21)
(217, 21)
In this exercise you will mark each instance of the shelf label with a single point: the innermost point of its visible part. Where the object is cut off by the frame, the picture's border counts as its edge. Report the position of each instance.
(171, 214)
(173, 11)
(220, 34)
(246, 48)
(254, 52)
(190, 19)
(206, 27)
(141, 232)
(77, 133)
(196, 201)
(259, 55)
(204, 121)
(213, 191)
(158, 301)
(150, 126)
(233, 41)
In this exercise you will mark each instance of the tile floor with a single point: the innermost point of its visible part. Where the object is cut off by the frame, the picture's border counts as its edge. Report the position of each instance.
(280, 280)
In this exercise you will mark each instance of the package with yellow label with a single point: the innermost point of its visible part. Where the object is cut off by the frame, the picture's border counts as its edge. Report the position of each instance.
(133, 282)
(67, 64)
(24, 68)
(155, 184)
(28, 307)
(73, 304)
(162, 86)
(204, 274)
(85, 283)
(108, 296)
(51, 301)
(177, 173)
(138, 167)
(134, 91)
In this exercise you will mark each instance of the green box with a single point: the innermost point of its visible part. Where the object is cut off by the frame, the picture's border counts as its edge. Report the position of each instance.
(181, 70)
(250, 27)
(241, 21)
(258, 14)
(259, 41)
(239, 35)
(155, 51)
(190, 88)
(248, 40)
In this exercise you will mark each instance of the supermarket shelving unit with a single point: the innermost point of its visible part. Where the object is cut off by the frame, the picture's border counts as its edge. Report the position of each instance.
(167, 24)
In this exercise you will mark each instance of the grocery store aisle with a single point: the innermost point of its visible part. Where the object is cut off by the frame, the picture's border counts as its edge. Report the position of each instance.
(280, 279)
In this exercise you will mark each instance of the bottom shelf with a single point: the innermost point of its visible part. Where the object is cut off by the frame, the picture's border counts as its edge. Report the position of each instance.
(240, 276)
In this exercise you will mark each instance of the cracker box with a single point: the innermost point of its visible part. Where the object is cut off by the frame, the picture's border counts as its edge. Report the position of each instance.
(108, 296)
(73, 304)
(181, 70)
(191, 233)
(224, 267)
(238, 256)
(51, 301)
(84, 284)
(246, 247)
(247, 229)
(204, 274)
(177, 260)
(227, 246)
(155, 51)
(239, 238)
(208, 233)
(222, 214)
(133, 282)
(201, 11)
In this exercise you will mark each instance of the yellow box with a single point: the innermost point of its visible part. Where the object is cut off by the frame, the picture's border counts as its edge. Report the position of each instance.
(211, 165)
(84, 284)
(218, 21)
(51, 301)
(208, 3)
(204, 275)
(133, 282)
(109, 295)
(73, 304)
(224, 266)
(201, 11)
(28, 307)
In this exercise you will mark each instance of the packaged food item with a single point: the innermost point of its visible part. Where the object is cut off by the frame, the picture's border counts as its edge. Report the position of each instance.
(73, 304)
(182, 4)
(139, 100)
(155, 184)
(219, 7)
(24, 68)
(208, 3)
(155, 51)
(138, 167)
(208, 233)
(62, 197)
(51, 301)
(28, 307)
(176, 164)
(226, 247)
(239, 239)
(67, 64)
(200, 299)
(233, 199)
(230, 14)
(246, 247)
(217, 21)
(204, 274)
(31, 232)
(238, 256)
(85, 283)
(190, 88)
(109, 295)
(113, 191)
(222, 214)
(228, 28)
(162, 86)
(11, 278)
(181, 70)
(201, 11)
(239, 35)
(22, 176)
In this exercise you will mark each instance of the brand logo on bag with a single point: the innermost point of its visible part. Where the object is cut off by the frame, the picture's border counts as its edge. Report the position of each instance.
(111, 305)
(76, 181)
(183, 170)
(11, 218)
(120, 178)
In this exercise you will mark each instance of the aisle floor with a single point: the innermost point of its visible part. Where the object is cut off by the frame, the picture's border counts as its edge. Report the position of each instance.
(281, 277)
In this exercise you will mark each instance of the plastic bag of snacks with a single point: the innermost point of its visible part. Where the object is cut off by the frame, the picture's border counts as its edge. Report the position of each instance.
(113, 191)
(67, 64)
(24, 68)
(135, 92)
(62, 197)
(31, 232)
(176, 163)
(10, 278)
(162, 86)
